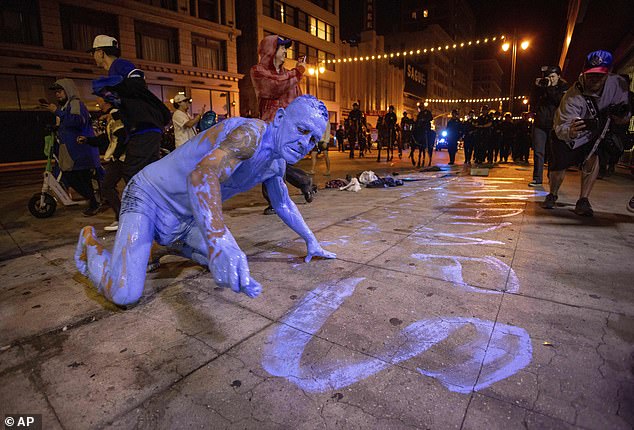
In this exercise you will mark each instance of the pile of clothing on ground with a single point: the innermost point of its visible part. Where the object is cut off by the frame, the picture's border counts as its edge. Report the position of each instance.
(367, 178)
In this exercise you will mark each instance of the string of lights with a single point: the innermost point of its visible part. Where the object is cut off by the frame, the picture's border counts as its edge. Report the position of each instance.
(420, 51)
(491, 99)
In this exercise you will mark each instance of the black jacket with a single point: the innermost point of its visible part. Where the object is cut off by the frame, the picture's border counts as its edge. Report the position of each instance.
(140, 108)
(545, 101)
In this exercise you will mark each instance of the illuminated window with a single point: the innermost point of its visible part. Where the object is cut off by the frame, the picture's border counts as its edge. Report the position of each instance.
(290, 15)
(321, 30)
(425, 13)
(313, 26)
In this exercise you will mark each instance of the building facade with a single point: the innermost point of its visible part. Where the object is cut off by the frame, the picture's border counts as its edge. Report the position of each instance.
(183, 46)
(487, 82)
(457, 20)
(373, 83)
(312, 25)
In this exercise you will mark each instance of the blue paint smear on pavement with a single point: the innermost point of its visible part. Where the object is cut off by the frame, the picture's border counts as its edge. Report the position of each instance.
(496, 352)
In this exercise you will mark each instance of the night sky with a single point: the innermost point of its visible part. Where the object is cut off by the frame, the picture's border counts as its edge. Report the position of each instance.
(541, 21)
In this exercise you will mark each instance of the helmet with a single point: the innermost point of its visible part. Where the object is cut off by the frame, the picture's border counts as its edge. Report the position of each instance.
(208, 120)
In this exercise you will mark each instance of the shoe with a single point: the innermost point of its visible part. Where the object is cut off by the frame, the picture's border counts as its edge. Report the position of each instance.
(153, 265)
(630, 205)
(583, 207)
(269, 211)
(534, 184)
(309, 195)
(91, 211)
(549, 203)
(112, 227)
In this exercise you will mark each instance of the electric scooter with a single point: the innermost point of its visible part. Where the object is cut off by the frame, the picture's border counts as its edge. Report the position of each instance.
(43, 204)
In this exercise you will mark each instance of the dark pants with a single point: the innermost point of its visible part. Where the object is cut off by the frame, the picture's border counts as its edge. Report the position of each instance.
(540, 139)
(452, 148)
(505, 149)
(82, 182)
(469, 142)
(142, 149)
(114, 173)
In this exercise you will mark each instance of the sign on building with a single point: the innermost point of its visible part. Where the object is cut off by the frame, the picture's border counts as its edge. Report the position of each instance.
(415, 80)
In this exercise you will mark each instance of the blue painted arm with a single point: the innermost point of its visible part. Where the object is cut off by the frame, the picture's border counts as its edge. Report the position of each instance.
(227, 262)
(288, 212)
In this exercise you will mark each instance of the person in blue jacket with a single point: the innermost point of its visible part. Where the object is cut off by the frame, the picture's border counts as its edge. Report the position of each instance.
(80, 163)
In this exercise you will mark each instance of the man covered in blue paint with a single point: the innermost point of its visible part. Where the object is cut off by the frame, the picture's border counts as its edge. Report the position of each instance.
(178, 201)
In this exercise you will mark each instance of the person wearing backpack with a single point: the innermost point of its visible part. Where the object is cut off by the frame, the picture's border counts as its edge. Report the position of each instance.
(142, 113)
(581, 121)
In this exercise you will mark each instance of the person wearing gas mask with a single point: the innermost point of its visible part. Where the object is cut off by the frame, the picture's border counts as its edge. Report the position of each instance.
(582, 120)
(547, 93)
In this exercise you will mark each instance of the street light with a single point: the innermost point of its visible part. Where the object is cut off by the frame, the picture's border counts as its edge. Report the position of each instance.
(505, 47)
(316, 71)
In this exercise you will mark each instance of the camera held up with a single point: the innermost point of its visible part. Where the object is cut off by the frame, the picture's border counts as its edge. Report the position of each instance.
(547, 71)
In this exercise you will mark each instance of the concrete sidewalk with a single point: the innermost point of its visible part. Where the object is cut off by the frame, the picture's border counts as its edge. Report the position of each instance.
(455, 302)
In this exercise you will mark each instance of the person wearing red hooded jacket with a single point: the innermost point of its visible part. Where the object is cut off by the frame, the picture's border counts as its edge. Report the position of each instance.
(275, 87)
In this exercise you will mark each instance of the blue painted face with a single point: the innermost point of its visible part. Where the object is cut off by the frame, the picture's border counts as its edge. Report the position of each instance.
(298, 132)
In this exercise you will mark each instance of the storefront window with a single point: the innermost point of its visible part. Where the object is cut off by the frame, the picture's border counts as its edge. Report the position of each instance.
(8, 93)
(219, 102)
(33, 88)
(169, 93)
(200, 97)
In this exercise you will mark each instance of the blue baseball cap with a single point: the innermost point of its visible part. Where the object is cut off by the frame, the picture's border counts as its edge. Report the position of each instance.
(598, 62)
(285, 42)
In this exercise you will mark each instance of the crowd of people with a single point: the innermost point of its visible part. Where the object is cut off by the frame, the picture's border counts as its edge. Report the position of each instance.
(581, 125)
(488, 137)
